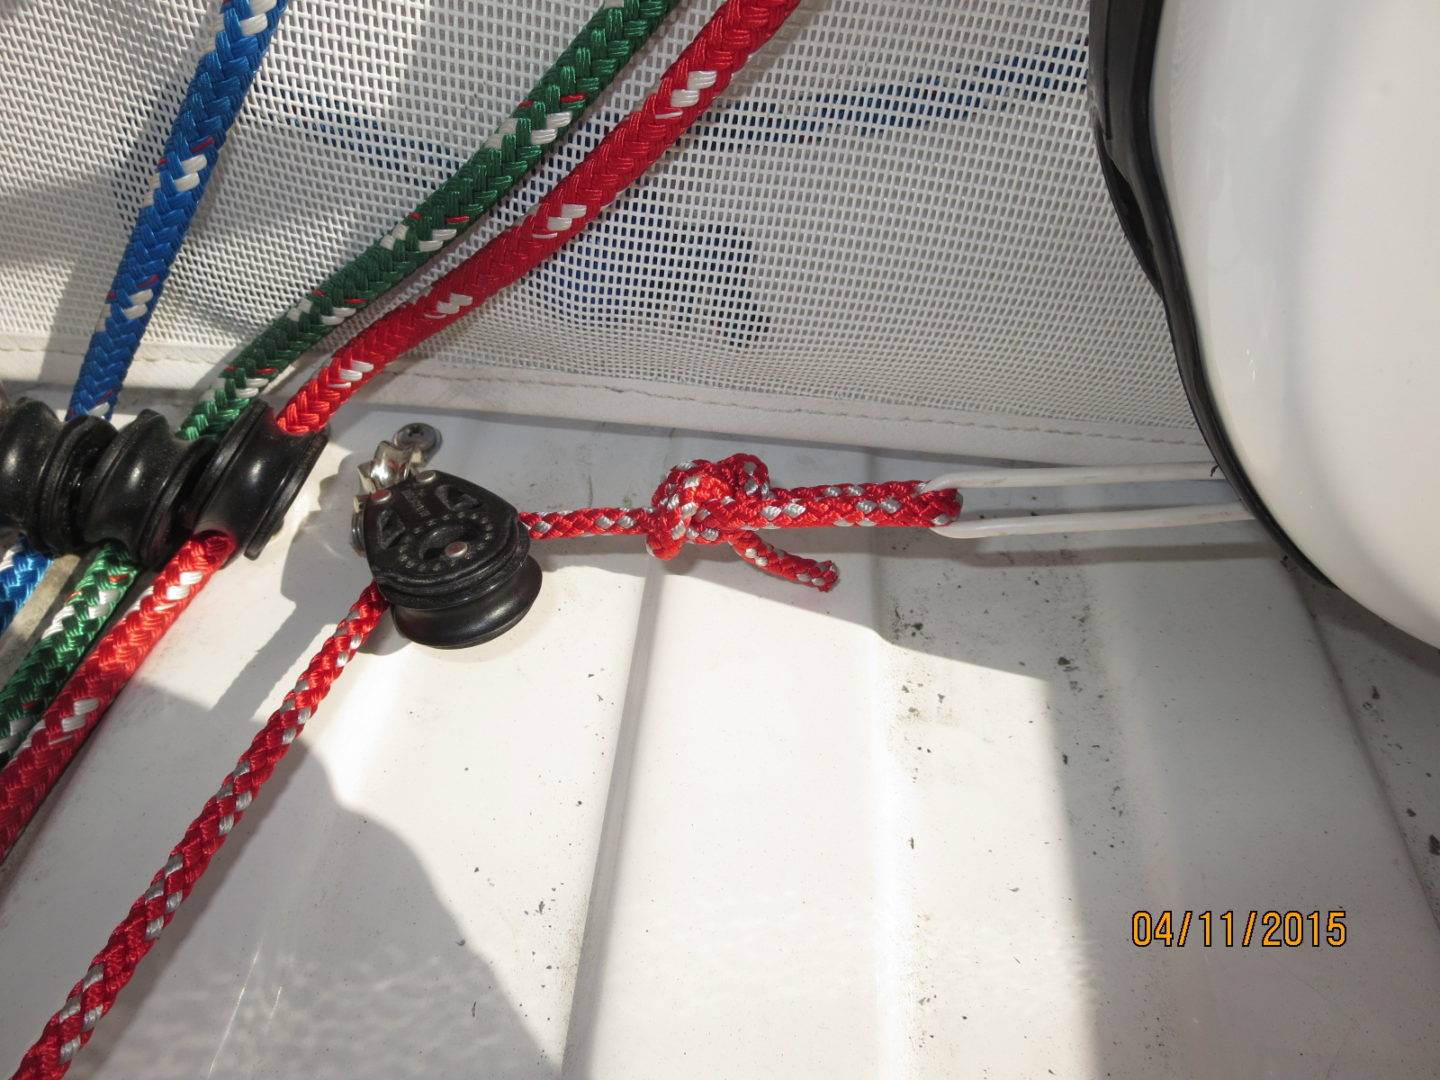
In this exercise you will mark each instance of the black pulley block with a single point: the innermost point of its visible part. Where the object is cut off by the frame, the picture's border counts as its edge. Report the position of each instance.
(452, 558)
(69, 486)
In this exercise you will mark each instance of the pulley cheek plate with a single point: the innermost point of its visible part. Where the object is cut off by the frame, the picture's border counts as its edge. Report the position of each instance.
(452, 559)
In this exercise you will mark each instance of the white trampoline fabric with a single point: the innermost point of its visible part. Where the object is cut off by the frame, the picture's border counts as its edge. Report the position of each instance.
(894, 212)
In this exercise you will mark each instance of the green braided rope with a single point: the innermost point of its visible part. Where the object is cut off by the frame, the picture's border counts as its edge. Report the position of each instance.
(585, 68)
(48, 665)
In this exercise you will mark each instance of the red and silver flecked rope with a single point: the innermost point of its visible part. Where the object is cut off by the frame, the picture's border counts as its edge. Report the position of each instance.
(728, 502)
(601, 49)
(701, 72)
(28, 777)
(725, 502)
(114, 965)
(686, 90)
(731, 502)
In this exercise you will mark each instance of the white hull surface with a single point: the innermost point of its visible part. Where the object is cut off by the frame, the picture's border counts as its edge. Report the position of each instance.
(691, 821)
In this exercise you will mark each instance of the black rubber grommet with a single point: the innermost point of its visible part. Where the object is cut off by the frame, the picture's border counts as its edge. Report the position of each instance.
(28, 429)
(68, 486)
(56, 528)
(133, 493)
(252, 479)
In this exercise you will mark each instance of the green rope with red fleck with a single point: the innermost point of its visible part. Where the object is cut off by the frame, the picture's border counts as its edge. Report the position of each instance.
(47, 666)
(583, 70)
(588, 64)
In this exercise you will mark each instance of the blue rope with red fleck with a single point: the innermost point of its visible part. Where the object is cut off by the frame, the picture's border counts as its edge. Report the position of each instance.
(212, 100)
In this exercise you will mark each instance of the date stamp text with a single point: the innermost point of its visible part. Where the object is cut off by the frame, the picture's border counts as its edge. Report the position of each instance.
(1229, 929)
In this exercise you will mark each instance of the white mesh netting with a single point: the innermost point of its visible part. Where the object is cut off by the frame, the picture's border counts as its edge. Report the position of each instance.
(895, 207)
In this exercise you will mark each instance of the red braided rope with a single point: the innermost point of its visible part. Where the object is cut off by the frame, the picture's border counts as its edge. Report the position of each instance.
(702, 502)
(702, 71)
(114, 965)
(28, 777)
(727, 502)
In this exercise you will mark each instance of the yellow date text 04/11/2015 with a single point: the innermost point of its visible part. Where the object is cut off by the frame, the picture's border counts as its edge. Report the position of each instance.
(1227, 929)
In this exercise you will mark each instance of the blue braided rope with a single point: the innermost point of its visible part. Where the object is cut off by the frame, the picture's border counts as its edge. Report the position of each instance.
(20, 571)
(214, 96)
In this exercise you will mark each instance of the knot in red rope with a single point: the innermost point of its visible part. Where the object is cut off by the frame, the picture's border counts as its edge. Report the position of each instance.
(708, 502)
(731, 502)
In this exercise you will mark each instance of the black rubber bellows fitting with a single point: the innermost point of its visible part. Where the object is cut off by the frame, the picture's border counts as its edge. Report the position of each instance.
(43, 466)
(28, 429)
(252, 479)
(69, 486)
(452, 559)
(133, 492)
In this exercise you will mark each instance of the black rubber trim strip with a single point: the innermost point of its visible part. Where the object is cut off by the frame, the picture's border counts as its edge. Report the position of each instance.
(1123, 36)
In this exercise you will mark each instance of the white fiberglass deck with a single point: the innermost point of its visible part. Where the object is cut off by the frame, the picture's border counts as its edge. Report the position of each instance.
(692, 822)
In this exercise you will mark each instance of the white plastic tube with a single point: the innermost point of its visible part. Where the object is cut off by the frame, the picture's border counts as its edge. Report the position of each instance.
(1159, 517)
(969, 479)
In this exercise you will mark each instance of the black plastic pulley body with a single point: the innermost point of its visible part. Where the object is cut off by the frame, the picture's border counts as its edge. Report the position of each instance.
(452, 558)
(68, 486)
